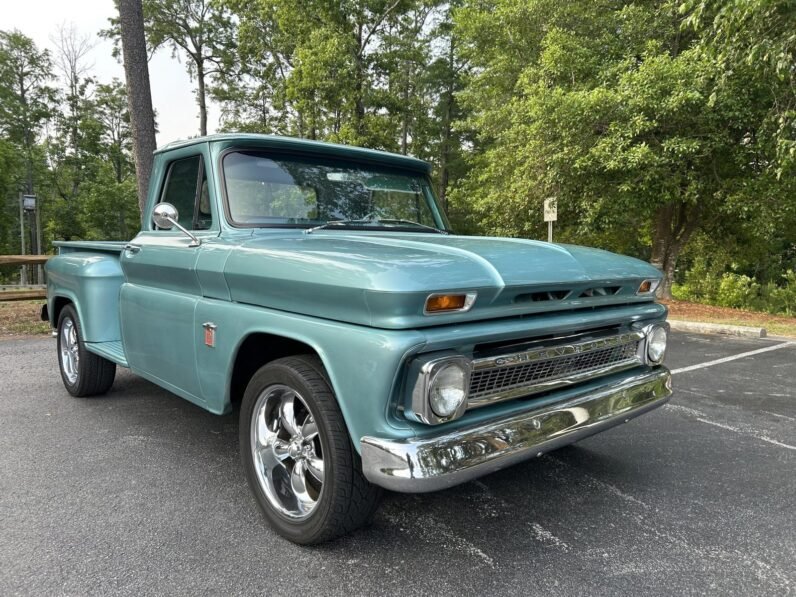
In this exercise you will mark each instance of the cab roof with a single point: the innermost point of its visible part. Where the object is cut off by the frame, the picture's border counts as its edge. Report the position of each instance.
(294, 144)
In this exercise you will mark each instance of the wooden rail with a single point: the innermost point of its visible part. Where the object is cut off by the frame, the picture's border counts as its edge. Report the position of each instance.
(23, 293)
(30, 294)
(24, 259)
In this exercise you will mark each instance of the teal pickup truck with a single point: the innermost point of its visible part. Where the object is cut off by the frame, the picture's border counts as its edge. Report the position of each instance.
(319, 289)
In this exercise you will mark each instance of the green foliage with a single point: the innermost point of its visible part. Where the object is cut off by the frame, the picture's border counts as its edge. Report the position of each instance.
(26, 96)
(757, 35)
(378, 73)
(781, 298)
(665, 129)
(738, 291)
(611, 108)
(70, 148)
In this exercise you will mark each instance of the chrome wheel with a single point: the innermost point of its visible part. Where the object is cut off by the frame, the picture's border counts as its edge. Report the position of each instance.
(287, 453)
(70, 358)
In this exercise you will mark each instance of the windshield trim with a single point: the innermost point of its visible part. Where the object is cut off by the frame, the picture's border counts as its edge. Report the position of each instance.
(435, 207)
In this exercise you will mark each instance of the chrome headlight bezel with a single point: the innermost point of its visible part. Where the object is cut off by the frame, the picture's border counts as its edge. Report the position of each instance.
(424, 371)
(649, 331)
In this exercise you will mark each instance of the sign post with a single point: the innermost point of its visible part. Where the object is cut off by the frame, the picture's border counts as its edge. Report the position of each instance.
(550, 215)
(23, 269)
(31, 209)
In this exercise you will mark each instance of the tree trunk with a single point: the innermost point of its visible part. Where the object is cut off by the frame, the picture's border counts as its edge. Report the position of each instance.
(447, 129)
(673, 225)
(359, 86)
(406, 115)
(201, 97)
(445, 148)
(139, 96)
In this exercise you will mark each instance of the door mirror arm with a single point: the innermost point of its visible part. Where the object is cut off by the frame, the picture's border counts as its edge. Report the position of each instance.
(165, 217)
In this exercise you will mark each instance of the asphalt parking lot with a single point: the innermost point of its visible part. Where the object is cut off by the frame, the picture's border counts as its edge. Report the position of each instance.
(141, 493)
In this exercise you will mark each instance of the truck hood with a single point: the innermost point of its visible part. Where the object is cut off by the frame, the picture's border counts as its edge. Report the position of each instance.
(383, 279)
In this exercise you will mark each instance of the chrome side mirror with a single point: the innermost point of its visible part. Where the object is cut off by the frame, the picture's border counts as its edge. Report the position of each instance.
(165, 217)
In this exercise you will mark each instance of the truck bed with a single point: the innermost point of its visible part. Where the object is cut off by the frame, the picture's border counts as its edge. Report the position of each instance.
(88, 274)
(103, 246)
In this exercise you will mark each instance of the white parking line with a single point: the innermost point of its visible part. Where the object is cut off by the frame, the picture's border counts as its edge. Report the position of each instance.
(733, 358)
(745, 430)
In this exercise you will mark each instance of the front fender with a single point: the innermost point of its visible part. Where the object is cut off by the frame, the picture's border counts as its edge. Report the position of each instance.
(362, 363)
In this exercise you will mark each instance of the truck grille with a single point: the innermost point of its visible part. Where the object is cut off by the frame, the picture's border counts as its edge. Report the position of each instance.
(541, 369)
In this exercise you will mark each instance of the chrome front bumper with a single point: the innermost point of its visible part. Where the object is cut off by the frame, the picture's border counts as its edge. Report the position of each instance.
(429, 464)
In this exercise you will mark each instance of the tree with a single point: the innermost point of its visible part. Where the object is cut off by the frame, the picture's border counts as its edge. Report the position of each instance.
(347, 72)
(26, 97)
(139, 96)
(446, 76)
(26, 105)
(608, 108)
(93, 177)
(252, 88)
(382, 74)
(202, 30)
(758, 36)
(71, 146)
(110, 203)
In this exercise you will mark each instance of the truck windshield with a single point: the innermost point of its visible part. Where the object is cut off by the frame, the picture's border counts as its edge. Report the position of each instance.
(264, 190)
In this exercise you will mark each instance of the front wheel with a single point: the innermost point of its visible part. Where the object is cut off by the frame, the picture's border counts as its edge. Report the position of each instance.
(84, 373)
(297, 455)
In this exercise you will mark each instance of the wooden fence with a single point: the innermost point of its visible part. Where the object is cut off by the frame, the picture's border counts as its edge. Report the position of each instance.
(26, 293)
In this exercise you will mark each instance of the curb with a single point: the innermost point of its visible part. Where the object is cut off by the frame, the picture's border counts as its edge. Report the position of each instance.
(717, 328)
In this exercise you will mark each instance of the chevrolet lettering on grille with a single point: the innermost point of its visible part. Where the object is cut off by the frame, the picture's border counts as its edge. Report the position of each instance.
(508, 376)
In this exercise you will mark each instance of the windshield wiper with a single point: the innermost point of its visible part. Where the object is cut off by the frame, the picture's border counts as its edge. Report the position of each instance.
(411, 223)
(390, 221)
(332, 223)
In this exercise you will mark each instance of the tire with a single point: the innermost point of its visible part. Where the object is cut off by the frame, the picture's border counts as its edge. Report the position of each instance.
(298, 459)
(83, 373)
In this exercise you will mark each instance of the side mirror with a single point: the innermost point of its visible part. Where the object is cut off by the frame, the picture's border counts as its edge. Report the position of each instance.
(165, 217)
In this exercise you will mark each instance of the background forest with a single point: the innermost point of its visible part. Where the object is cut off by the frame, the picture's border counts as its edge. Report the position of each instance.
(665, 130)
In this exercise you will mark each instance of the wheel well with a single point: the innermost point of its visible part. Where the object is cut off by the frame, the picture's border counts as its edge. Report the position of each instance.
(257, 350)
(59, 302)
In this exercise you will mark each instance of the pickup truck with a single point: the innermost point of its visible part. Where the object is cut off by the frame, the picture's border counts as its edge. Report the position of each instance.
(319, 290)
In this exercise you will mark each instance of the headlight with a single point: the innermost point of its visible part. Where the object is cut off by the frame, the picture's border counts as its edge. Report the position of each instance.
(440, 388)
(656, 344)
(448, 390)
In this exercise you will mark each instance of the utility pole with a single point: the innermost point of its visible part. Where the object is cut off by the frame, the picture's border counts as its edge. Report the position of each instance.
(39, 268)
(23, 270)
(29, 209)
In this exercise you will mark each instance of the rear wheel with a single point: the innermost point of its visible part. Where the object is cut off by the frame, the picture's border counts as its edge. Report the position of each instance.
(297, 455)
(84, 373)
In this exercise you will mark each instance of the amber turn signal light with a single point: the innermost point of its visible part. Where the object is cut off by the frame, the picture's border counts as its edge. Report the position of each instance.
(648, 287)
(440, 303)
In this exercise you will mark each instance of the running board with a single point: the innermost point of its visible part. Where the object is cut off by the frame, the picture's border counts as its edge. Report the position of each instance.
(113, 351)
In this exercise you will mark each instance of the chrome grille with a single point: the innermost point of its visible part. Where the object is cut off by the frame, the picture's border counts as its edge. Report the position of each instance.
(519, 374)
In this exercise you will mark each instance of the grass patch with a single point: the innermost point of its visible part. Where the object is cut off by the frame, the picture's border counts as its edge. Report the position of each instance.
(776, 325)
(22, 318)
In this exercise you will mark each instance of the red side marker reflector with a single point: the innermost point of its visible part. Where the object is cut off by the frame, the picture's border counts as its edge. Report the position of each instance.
(210, 334)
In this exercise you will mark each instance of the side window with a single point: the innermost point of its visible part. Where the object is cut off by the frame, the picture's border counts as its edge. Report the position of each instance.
(186, 189)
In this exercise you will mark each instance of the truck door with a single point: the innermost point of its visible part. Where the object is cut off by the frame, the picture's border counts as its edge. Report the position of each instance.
(161, 289)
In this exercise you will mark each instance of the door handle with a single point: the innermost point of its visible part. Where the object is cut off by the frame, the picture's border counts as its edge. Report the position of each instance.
(132, 249)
